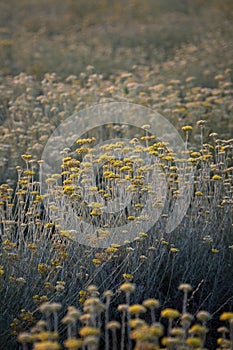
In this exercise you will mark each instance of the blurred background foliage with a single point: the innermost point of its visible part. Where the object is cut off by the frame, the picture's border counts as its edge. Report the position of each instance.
(64, 36)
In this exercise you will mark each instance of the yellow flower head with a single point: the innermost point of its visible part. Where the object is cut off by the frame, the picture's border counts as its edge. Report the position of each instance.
(86, 331)
(26, 156)
(226, 316)
(73, 343)
(127, 276)
(170, 313)
(198, 329)
(187, 128)
(217, 178)
(137, 323)
(151, 303)
(194, 342)
(137, 309)
(45, 345)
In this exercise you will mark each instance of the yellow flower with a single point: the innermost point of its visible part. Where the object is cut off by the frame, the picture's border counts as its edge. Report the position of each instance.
(127, 276)
(143, 234)
(145, 138)
(83, 293)
(187, 128)
(125, 168)
(215, 251)
(69, 189)
(96, 261)
(217, 178)
(73, 343)
(137, 323)
(86, 331)
(47, 345)
(55, 262)
(198, 329)
(49, 225)
(111, 250)
(31, 246)
(44, 299)
(67, 182)
(137, 309)
(198, 194)
(95, 212)
(66, 234)
(42, 336)
(141, 333)
(42, 268)
(26, 156)
(1, 270)
(157, 329)
(115, 245)
(29, 172)
(174, 250)
(168, 158)
(226, 316)
(85, 141)
(170, 313)
(194, 342)
(224, 343)
(195, 154)
(151, 303)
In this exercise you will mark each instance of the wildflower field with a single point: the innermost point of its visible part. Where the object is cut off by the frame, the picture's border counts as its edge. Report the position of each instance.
(65, 281)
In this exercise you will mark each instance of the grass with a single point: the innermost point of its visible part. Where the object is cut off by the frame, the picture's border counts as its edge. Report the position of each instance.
(158, 289)
(41, 262)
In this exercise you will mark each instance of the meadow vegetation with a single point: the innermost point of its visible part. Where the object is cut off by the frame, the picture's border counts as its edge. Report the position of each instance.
(159, 290)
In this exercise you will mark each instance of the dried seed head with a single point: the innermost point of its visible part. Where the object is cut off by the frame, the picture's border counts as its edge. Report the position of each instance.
(25, 337)
(204, 316)
(185, 287)
(122, 307)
